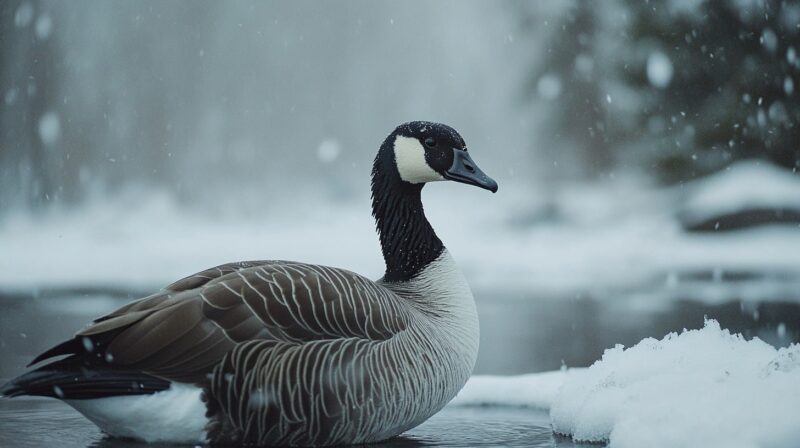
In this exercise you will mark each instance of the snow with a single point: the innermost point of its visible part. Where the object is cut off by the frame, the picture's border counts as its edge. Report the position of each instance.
(49, 128)
(659, 69)
(704, 388)
(747, 184)
(769, 39)
(328, 150)
(23, 15)
(777, 113)
(761, 116)
(584, 64)
(549, 86)
(147, 241)
(604, 237)
(11, 96)
(535, 390)
(43, 27)
(700, 388)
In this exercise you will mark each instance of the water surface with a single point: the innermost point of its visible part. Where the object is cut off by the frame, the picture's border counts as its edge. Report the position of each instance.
(39, 423)
(519, 334)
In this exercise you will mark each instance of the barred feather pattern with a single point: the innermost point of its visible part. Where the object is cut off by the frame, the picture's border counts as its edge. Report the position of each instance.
(291, 353)
(353, 389)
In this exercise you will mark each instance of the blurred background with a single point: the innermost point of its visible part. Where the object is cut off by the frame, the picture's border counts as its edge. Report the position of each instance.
(647, 156)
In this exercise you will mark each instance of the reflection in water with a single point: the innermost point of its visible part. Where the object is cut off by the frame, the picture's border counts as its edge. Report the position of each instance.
(528, 335)
(45, 423)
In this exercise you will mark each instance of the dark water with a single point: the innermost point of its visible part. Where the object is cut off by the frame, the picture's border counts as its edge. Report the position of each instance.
(36, 423)
(519, 334)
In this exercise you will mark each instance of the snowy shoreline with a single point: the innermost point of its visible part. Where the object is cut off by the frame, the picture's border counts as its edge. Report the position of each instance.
(597, 245)
(704, 388)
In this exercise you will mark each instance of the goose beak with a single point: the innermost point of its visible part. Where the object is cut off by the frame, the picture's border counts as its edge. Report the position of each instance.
(464, 170)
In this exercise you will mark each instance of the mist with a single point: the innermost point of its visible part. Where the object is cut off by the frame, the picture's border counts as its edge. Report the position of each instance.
(202, 101)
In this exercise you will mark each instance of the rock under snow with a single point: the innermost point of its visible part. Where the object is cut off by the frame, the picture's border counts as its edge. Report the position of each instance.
(748, 193)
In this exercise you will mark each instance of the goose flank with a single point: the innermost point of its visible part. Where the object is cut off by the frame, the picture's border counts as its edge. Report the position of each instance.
(286, 353)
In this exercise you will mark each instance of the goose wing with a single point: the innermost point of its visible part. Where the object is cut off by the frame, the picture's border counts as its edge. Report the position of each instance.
(183, 331)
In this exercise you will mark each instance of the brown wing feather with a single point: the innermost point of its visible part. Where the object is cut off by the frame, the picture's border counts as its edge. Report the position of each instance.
(201, 278)
(157, 331)
(185, 330)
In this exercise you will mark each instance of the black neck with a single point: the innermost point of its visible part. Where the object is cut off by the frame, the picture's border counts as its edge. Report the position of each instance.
(408, 241)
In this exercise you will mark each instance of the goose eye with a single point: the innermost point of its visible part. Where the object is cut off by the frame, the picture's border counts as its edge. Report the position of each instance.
(430, 142)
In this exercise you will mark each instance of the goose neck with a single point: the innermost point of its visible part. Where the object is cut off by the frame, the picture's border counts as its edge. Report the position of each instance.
(408, 241)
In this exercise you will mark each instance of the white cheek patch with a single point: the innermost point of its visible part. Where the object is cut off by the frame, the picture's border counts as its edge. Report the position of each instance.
(409, 155)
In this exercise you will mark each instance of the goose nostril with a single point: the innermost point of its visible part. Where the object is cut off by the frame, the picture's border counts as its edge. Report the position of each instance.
(469, 168)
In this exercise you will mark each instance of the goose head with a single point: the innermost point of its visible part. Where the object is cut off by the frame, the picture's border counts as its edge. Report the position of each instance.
(412, 155)
(432, 152)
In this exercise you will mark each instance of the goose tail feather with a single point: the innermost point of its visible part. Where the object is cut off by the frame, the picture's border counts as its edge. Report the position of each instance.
(76, 378)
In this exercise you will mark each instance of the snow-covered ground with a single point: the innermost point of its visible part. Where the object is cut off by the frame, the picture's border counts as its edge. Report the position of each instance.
(535, 390)
(699, 388)
(582, 239)
(747, 184)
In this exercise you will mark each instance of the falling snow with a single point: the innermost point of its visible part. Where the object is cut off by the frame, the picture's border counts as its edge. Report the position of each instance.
(142, 143)
(49, 128)
(43, 27)
(769, 39)
(659, 69)
(328, 150)
(549, 87)
(23, 15)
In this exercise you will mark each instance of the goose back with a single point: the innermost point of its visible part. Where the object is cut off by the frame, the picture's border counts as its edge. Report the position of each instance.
(299, 354)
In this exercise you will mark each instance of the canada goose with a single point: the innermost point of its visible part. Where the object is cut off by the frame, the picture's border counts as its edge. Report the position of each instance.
(285, 353)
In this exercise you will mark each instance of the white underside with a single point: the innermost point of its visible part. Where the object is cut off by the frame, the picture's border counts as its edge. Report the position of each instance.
(176, 415)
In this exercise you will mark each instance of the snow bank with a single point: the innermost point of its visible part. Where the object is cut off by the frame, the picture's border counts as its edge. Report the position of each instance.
(747, 184)
(701, 388)
(536, 390)
(150, 241)
(704, 388)
(604, 238)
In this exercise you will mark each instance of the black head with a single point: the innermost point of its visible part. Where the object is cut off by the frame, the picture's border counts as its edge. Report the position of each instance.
(429, 152)
(412, 155)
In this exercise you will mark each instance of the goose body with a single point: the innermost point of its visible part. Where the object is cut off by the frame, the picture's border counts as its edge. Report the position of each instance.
(287, 353)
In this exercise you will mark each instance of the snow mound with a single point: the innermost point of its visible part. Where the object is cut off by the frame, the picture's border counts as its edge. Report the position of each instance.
(746, 184)
(704, 388)
(700, 388)
(535, 390)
